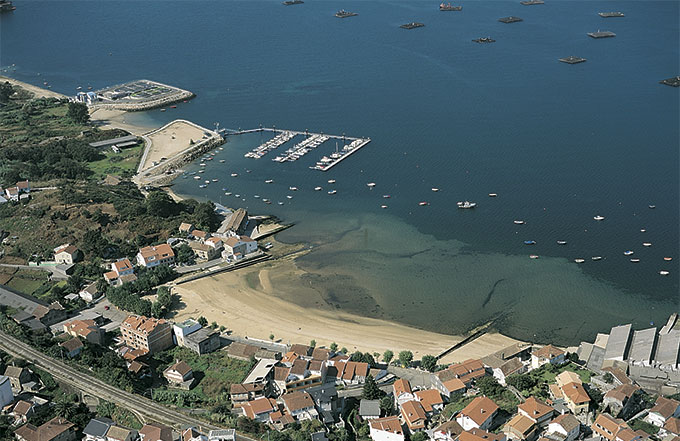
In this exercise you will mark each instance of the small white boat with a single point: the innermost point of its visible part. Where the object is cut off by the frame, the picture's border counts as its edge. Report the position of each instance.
(202, 186)
(652, 207)
(493, 195)
(518, 222)
(202, 164)
(289, 196)
(280, 203)
(332, 192)
(423, 203)
(635, 260)
(257, 196)
(371, 184)
(292, 188)
(596, 258)
(331, 181)
(214, 180)
(197, 177)
(533, 256)
(642, 230)
(268, 181)
(386, 196)
(667, 259)
(233, 175)
(222, 161)
(467, 204)
(237, 195)
(646, 244)
(664, 273)
(201, 171)
(628, 253)
(579, 260)
(598, 218)
(227, 193)
(206, 181)
(383, 206)
(435, 189)
(318, 188)
(561, 242)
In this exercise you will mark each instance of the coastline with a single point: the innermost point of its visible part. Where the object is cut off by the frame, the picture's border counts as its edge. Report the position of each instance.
(245, 301)
(38, 92)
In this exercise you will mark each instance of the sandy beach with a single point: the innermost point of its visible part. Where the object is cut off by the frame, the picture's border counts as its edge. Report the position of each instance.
(246, 302)
(171, 140)
(35, 90)
(115, 119)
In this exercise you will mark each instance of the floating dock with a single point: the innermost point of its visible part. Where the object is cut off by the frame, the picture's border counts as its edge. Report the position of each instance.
(610, 14)
(673, 82)
(270, 145)
(302, 148)
(572, 60)
(601, 34)
(327, 163)
(510, 19)
(412, 25)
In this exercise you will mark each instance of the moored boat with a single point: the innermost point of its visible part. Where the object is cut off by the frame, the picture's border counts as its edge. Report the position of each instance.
(598, 218)
(628, 253)
(423, 203)
(596, 258)
(667, 259)
(664, 272)
(518, 222)
(529, 242)
(533, 256)
(493, 195)
(561, 242)
(634, 260)
(332, 192)
(466, 204)
(646, 244)
(371, 184)
(579, 260)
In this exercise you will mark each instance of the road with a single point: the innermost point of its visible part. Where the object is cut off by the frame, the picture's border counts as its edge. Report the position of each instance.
(66, 374)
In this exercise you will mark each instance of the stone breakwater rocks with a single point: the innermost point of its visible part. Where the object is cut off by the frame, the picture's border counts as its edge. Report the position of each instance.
(180, 95)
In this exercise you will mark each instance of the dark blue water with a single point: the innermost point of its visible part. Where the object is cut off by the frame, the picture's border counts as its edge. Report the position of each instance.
(559, 143)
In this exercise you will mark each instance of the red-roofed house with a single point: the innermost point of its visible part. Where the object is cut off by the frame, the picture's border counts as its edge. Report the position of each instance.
(414, 416)
(386, 429)
(260, 409)
(431, 400)
(478, 414)
(66, 254)
(663, 409)
(672, 426)
(576, 397)
(145, 333)
(56, 429)
(547, 354)
(86, 329)
(401, 389)
(536, 410)
(152, 256)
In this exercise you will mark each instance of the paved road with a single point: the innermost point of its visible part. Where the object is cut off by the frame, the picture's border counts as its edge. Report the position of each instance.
(417, 378)
(143, 406)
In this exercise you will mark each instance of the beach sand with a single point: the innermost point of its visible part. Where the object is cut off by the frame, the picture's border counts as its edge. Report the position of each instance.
(246, 303)
(171, 140)
(115, 119)
(35, 90)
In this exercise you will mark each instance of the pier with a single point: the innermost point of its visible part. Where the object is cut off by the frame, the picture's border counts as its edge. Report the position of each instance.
(270, 145)
(312, 141)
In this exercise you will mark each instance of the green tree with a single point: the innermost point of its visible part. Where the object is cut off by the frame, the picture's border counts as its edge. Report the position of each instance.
(202, 321)
(405, 358)
(78, 113)
(271, 337)
(6, 91)
(312, 343)
(388, 356)
(387, 405)
(185, 254)
(429, 362)
(419, 436)
(521, 382)
(608, 378)
(160, 204)
(334, 347)
(371, 390)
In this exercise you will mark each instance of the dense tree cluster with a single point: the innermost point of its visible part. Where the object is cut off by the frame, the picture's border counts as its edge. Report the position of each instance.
(128, 296)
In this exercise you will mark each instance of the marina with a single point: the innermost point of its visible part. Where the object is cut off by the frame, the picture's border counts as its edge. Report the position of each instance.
(601, 34)
(270, 145)
(302, 148)
(326, 163)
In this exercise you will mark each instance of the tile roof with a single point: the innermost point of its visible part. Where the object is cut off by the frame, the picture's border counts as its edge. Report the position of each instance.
(575, 393)
(610, 425)
(401, 386)
(281, 373)
(259, 406)
(141, 324)
(158, 252)
(454, 385)
(22, 407)
(46, 432)
(622, 393)
(72, 344)
(479, 435)
(320, 354)
(66, 248)
(429, 398)
(297, 401)
(479, 410)
(673, 425)
(300, 349)
(665, 407)
(122, 265)
(156, 432)
(299, 367)
(548, 352)
(511, 366)
(414, 415)
(180, 367)
(245, 388)
(567, 421)
(82, 327)
(388, 424)
(567, 377)
(618, 374)
(118, 433)
(450, 427)
(521, 424)
(535, 409)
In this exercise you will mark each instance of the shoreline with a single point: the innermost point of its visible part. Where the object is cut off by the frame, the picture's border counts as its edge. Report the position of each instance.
(245, 303)
(37, 91)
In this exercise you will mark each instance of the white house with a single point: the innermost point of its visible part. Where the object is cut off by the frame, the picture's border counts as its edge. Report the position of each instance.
(6, 394)
(66, 254)
(260, 409)
(300, 405)
(401, 389)
(664, 409)
(566, 426)
(478, 414)
(547, 354)
(153, 256)
(386, 429)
